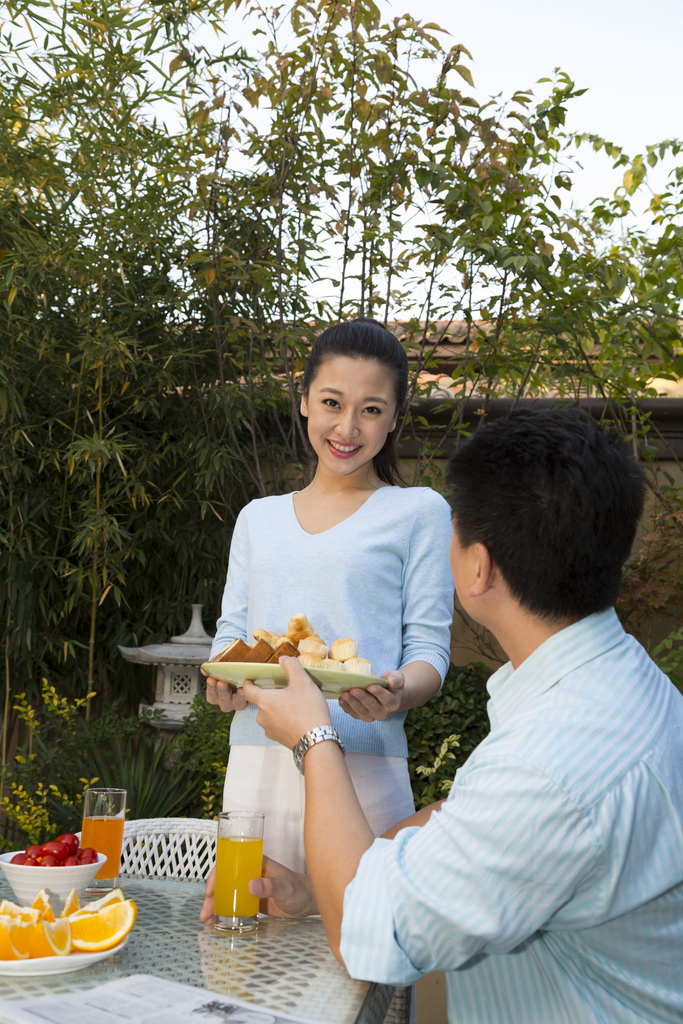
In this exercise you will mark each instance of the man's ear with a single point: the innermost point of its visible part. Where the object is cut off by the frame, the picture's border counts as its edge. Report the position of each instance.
(484, 570)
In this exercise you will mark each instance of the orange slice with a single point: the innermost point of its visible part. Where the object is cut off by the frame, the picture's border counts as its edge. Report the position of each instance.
(50, 938)
(104, 929)
(15, 937)
(72, 906)
(22, 913)
(42, 904)
(115, 896)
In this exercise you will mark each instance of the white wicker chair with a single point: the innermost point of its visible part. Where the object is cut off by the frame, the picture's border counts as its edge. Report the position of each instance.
(168, 847)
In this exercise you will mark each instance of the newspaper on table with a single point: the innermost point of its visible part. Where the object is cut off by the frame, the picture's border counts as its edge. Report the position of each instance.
(140, 999)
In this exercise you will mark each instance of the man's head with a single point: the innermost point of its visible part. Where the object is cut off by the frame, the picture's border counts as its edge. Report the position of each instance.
(556, 501)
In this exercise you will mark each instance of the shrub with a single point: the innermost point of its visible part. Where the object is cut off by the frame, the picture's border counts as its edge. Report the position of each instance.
(203, 745)
(446, 730)
(63, 754)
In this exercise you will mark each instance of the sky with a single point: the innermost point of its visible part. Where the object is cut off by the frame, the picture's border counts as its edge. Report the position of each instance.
(626, 53)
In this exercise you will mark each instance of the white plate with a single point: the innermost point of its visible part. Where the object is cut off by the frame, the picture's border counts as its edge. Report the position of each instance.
(330, 681)
(55, 964)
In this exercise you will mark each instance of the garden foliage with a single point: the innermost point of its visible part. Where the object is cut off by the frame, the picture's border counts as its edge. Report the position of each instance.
(178, 218)
(446, 730)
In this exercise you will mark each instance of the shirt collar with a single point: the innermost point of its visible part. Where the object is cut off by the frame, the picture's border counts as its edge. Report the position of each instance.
(513, 689)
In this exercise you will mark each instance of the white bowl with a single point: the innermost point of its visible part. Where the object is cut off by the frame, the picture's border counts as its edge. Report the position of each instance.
(27, 882)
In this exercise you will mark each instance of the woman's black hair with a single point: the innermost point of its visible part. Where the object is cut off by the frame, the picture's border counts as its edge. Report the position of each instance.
(366, 339)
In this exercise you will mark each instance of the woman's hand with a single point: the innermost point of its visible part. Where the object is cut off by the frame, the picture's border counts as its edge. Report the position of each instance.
(283, 893)
(287, 714)
(376, 703)
(227, 696)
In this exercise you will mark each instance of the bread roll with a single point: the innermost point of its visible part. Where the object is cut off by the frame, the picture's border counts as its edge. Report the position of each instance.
(264, 634)
(299, 628)
(342, 650)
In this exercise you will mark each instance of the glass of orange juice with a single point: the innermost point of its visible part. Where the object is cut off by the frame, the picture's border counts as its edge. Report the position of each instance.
(104, 811)
(239, 858)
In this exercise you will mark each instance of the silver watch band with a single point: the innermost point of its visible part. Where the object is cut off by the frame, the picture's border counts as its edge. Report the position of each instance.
(309, 739)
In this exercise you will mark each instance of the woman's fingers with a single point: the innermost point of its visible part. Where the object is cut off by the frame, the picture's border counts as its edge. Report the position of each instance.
(371, 705)
(225, 695)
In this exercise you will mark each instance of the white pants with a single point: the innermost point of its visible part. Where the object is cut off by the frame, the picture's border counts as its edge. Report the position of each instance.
(261, 778)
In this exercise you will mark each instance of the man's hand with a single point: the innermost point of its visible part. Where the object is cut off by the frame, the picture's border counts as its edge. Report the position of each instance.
(283, 893)
(287, 714)
(377, 702)
(227, 696)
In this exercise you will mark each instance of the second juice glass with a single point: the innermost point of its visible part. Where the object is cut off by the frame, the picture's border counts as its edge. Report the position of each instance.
(104, 811)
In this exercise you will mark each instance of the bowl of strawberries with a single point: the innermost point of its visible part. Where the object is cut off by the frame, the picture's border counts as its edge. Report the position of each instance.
(57, 866)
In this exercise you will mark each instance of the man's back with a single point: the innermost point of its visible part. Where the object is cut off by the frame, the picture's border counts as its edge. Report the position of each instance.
(550, 886)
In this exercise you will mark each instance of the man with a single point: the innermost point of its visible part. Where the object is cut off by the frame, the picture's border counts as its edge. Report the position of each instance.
(549, 886)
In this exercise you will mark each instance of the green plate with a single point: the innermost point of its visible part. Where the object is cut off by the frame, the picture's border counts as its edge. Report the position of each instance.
(272, 677)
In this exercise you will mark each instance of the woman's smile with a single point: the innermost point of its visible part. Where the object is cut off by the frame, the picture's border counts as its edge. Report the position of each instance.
(343, 451)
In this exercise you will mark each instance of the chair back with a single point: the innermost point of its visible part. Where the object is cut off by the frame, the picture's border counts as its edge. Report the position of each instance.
(169, 847)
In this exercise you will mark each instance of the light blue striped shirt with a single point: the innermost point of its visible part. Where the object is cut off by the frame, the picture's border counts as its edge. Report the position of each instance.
(381, 576)
(550, 886)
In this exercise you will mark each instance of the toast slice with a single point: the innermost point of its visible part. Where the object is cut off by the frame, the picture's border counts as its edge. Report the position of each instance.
(236, 650)
(259, 654)
(283, 650)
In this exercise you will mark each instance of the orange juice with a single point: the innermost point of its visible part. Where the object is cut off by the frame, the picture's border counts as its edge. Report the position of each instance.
(238, 860)
(106, 836)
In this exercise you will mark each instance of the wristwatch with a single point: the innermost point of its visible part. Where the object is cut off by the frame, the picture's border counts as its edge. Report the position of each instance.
(309, 739)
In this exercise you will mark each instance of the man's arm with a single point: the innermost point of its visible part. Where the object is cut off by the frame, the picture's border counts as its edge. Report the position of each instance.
(336, 834)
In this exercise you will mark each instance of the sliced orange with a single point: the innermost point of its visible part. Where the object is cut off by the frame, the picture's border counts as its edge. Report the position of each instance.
(72, 905)
(42, 904)
(22, 913)
(15, 937)
(104, 929)
(50, 938)
(115, 896)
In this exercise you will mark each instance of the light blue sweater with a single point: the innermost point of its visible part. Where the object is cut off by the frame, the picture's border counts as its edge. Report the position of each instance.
(381, 577)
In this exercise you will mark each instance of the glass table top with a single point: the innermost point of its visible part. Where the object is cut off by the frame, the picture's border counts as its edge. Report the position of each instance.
(286, 965)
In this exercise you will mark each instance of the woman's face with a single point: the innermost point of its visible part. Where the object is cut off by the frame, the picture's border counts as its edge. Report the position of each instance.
(351, 407)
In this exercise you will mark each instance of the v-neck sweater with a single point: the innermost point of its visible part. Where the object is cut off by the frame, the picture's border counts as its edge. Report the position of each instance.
(381, 576)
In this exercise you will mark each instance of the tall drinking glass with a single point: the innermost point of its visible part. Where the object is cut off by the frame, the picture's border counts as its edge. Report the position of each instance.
(239, 858)
(104, 811)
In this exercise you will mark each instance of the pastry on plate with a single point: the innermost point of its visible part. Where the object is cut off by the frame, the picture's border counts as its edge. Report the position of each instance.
(308, 661)
(361, 666)
(314, 646)
(332, 664)
(286, 649)
(236, 650)
(265, 634)
(299, 628)
(342, 650)
(260, 654)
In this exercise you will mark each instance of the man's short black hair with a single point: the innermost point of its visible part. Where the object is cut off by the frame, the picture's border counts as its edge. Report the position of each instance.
(556, 499)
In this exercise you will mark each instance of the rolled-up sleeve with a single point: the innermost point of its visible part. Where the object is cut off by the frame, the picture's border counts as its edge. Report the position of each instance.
(482, 876)
(428, 586)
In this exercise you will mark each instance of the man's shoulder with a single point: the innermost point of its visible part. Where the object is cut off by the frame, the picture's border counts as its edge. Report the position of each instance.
(589, 730)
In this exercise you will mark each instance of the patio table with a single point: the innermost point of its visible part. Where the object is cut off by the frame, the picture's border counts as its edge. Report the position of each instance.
(285, 965)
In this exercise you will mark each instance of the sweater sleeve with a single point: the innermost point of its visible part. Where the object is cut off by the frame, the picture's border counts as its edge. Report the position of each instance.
(428, 585)
(232, 624)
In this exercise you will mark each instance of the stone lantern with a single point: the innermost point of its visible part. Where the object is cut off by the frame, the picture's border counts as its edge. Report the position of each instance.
(178, 672)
